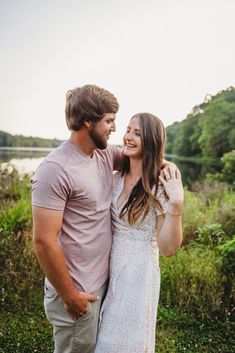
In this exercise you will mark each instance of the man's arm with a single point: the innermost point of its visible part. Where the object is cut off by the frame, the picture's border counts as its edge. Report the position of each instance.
(46, 227)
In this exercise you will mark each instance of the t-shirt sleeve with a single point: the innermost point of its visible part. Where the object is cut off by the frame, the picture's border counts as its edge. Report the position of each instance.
(117, 157)
(162, 198)
(50, 186)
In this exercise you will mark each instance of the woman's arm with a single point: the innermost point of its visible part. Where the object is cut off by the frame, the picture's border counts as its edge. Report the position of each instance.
(169, 227)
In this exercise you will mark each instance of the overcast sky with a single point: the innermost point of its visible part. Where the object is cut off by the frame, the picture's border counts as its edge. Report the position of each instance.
(160, 56)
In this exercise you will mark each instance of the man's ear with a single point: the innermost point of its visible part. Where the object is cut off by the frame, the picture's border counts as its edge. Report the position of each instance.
(88, 123)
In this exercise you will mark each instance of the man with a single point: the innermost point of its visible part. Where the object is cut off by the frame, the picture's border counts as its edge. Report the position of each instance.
(71, 197)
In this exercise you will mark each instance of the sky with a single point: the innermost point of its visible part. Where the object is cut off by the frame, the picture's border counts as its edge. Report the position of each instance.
(157, 56)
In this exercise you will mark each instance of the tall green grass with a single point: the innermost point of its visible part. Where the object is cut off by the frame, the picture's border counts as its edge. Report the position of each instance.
(197, 284)
(20, 274)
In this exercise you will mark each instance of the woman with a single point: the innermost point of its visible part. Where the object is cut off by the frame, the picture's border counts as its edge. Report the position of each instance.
(146, 215)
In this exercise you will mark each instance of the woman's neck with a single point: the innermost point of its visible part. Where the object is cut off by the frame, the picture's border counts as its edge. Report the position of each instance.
(135, 168)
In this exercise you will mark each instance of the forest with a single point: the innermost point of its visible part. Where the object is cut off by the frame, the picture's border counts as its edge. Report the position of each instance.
(207, 134)
(8, 140)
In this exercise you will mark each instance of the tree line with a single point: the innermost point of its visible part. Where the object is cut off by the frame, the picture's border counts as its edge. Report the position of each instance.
(208, 133)
(8, 140)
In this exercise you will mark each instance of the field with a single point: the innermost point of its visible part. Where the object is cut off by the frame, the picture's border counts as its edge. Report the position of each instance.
(197, 284)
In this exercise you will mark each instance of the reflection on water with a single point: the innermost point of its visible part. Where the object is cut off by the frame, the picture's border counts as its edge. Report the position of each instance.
(24, 165)
(26, 160)
(23, 159)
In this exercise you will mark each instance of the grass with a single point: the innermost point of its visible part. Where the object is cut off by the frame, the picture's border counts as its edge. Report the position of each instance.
(177, 332)
(197, 284)
(180, 332)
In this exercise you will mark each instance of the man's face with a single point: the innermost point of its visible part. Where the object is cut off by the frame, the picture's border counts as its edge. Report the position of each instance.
(100, 131)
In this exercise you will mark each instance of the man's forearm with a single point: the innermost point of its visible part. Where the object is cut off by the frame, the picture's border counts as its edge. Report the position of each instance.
(52, 261)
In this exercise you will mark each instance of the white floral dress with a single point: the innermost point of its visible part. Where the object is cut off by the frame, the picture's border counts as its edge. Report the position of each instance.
(128, 313)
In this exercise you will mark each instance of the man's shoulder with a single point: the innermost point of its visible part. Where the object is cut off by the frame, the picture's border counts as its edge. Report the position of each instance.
(109, 151)
(56, 162)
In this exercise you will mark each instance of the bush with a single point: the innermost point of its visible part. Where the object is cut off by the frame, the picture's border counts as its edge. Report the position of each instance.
(20, 273)
(208, 203)
(192, 280)
(210, 235)
(227, 261)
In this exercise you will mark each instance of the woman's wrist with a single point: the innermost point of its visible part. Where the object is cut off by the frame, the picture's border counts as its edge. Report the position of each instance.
(174, 209)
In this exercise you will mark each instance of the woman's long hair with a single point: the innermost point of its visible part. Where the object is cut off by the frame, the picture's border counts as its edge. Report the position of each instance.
(143, 195)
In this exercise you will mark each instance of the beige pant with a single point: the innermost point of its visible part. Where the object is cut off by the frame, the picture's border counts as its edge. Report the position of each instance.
(73, 336)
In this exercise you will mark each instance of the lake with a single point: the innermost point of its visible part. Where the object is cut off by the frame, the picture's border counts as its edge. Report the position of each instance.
(26, 160)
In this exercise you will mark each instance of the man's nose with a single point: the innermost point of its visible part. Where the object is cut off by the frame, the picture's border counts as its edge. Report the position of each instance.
(113, 126)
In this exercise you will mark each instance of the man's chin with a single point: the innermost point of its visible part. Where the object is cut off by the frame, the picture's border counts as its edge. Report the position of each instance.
(102, 146)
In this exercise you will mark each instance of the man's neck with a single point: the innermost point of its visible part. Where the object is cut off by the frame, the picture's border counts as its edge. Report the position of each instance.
(82, 140)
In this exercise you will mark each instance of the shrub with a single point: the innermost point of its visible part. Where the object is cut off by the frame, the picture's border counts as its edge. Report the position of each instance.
(210, 235)
(20, 274)
(208, 203)
(192, 280)
(227, 261)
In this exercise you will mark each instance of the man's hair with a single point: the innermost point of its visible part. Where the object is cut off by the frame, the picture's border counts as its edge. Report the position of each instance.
(88, 103)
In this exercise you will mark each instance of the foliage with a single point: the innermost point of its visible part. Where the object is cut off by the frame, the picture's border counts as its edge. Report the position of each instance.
(19, 271)
(8, 140)
(208, 132)
(25, 333)
(186, 140)
(208, 203)
(227, 256)
(216, 123)
(192, 280)
(196, 284)
(210, 235)
(172, 132)
(177, 332)
(181, 332)
(228, 171)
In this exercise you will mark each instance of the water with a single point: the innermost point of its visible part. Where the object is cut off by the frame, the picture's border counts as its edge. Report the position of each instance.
(26, 160)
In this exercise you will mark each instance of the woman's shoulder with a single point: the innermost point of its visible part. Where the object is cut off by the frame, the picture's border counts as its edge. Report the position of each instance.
(116, 177)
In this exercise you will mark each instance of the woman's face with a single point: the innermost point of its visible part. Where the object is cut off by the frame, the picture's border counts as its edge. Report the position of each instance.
(132, 140)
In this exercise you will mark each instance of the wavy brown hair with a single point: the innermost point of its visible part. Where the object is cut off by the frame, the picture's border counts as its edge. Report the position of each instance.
(143, 195)
(88, 103)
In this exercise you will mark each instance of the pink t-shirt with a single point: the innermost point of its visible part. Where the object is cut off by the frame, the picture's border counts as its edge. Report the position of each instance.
(81, 186)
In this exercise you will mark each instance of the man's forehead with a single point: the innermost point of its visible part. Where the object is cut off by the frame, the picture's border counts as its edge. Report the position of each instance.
(109, 116)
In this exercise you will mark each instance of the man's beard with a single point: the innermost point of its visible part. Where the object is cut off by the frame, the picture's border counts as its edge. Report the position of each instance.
(100, 142)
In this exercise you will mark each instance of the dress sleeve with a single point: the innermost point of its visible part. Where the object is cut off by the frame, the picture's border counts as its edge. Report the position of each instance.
(162, 198)
(116, 177)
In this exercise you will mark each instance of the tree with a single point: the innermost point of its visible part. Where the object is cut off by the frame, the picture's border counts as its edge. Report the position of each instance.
(217, 124)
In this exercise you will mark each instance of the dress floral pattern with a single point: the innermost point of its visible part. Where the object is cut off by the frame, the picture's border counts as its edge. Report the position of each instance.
(128, 313)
